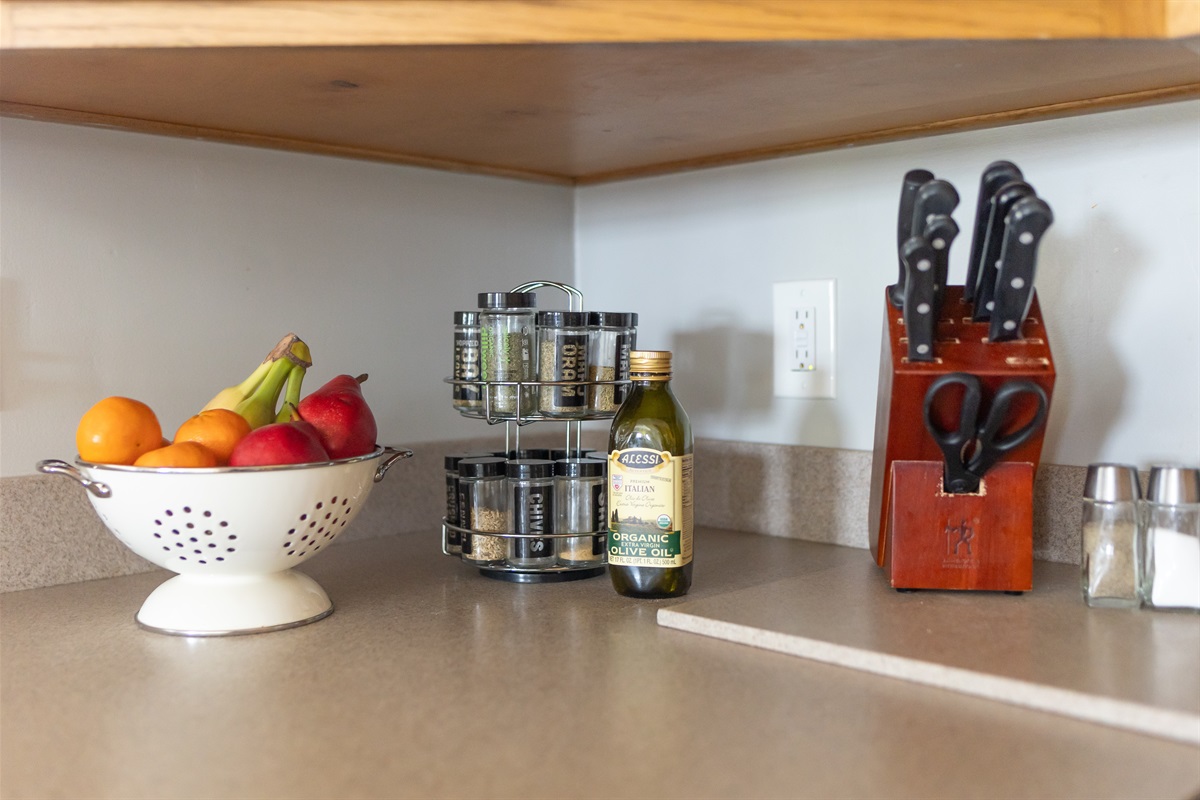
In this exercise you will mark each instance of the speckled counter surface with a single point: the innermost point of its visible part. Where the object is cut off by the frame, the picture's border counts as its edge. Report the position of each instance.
(431, 681)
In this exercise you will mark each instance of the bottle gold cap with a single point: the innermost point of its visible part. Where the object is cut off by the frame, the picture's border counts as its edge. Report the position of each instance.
(647, 363)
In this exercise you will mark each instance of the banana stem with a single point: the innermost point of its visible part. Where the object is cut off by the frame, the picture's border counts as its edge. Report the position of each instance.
(289, 411)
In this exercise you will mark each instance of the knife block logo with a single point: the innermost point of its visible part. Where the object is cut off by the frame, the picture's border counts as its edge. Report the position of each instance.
(959, 537)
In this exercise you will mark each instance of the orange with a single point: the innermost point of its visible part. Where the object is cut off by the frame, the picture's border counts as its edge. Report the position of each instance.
(218, 429)
(180, 454)
(116, 431)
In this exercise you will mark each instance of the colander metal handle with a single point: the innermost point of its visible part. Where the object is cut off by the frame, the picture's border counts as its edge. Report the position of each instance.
(53, 466)
(394, 454)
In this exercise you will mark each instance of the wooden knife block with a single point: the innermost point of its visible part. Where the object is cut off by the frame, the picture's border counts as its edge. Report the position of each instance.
(981, 541)
(960, 345)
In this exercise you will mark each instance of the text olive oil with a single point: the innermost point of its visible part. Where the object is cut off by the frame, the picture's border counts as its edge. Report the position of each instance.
(650, 485)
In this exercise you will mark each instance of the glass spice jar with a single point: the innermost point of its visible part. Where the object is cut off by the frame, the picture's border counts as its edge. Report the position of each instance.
(466, 396)
(1109, 557)
(563, 357)
(531, 505)
(613, 336)
(506, 335)
(580, 500)
(483, 507)
(1170, 560)
(453, 540)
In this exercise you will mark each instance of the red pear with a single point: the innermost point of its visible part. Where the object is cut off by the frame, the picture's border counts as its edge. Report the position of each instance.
(341, 416)
(279, 443)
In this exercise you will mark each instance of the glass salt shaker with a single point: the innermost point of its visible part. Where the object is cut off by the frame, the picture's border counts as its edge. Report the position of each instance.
(506, 344)
(1170, 575)
(1109, 557)
(466, 396)
(531, 500)
(613, 338)
(563, 356)
(483, 508)
(580, 499)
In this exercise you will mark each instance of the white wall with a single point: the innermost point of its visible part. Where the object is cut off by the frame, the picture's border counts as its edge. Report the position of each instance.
(165, 270)
(696, 254)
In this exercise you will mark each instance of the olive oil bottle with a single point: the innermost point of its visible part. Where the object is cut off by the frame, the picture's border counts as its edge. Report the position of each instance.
(650, 485)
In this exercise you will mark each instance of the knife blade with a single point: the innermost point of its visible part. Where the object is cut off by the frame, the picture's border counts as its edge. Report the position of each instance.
(919, 297)
(995, 176)
(985, 288)
(1024, 226)
(913, 180)
(940, 231)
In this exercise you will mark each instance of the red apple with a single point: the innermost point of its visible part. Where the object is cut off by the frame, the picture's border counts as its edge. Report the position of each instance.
(279, 443)
(341, 416)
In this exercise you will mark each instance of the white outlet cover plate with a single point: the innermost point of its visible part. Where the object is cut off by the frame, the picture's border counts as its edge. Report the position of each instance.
(821, 295)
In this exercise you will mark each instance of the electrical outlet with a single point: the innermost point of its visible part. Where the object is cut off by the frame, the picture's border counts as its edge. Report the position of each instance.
(804, 363)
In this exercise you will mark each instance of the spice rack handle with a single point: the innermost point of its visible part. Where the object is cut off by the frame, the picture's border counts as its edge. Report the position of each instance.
(574, 296)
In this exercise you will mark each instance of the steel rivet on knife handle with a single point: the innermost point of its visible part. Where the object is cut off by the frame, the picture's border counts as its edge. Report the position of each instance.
(985, 289)
(913, 180)
(940, 231)
(995, 176)
(919, 298)
(1024, 226)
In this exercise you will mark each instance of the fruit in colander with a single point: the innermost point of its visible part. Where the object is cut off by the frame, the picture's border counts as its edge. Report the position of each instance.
(218, 429)
(341, 416)
(279, 443)
(180, 454)
(117, 430)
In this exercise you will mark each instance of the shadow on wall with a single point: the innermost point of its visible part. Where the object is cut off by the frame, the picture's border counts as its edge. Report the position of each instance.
(1092, 383)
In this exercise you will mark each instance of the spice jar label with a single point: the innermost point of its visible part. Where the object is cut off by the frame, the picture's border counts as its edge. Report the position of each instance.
(650, 508)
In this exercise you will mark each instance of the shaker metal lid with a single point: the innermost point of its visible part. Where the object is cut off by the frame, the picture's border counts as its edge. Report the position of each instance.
(507, 300)
(466, 317)
(1111, 483)
(1173, 485)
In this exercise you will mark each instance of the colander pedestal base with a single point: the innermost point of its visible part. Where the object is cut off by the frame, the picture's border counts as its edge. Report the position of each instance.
(191, 605)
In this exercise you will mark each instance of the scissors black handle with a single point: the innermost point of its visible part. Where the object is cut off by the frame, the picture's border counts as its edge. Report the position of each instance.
(990, 445)
(973, 448)
(956, 478)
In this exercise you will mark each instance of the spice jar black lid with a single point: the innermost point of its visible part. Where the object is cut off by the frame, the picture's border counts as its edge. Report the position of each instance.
(562, 319)
(612, 319)
(451, 461)
(513, 455)
(481, 467)
(466, 317)
(579, 467)
(530, 468)
(507, 300)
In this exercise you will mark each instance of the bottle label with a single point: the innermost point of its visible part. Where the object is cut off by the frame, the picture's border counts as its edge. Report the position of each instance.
(649, 508)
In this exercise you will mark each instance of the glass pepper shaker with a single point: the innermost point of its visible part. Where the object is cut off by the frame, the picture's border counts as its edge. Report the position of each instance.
(580, 499)
(563, 357)
(531, 501)
(483, 508)
(506, 335)
(1170, 577)
(1109, 557)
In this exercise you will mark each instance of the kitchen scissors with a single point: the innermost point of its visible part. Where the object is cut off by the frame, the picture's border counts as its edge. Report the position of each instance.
(975, 445)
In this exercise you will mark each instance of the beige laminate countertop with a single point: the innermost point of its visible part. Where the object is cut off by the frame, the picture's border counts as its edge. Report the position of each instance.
(431, 681)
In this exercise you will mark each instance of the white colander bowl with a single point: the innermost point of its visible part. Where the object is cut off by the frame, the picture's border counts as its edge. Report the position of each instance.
(233, 535)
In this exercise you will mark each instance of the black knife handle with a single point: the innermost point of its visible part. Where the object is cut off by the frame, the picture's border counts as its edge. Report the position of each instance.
(934, 197)
(995, 176)
(920, 299)
(940, 231)
(913, 180)
(1024, 226)
(1002, 203)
